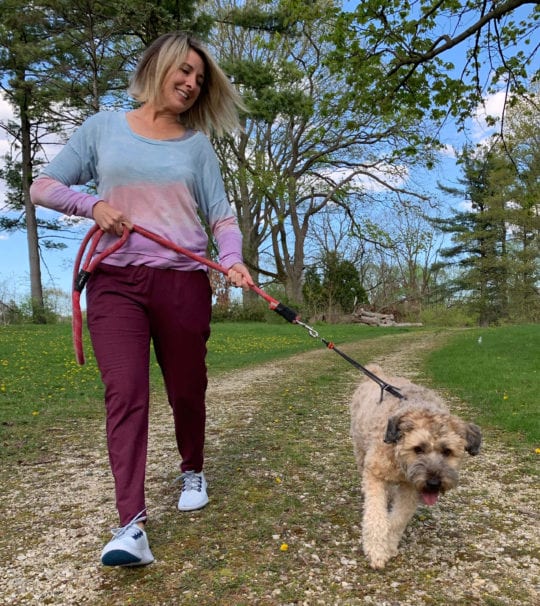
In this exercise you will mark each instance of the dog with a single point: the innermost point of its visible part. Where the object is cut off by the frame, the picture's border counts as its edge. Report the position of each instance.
(408, 451)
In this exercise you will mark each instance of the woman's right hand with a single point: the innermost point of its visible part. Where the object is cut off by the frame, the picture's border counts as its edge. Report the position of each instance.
(109, 219)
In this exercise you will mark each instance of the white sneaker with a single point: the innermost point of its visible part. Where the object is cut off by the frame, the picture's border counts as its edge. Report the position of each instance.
(128, 547)
(193, 495)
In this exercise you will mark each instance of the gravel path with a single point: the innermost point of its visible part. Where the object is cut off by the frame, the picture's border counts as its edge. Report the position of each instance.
(487, 536)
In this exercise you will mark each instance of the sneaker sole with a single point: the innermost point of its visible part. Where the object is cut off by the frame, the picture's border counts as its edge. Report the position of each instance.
(119, 557)
(193, 508)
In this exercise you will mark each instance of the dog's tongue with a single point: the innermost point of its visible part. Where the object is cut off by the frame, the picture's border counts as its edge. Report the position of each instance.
(430, 498)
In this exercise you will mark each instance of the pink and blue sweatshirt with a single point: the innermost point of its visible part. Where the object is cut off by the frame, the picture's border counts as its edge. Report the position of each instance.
(163, 186)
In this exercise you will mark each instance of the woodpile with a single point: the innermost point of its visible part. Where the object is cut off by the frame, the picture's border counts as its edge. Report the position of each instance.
(372, 318)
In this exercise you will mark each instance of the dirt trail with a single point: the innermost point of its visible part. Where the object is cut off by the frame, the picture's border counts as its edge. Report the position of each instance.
(54, 513)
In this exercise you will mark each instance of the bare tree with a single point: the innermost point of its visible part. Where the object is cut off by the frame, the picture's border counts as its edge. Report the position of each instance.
(302, 149)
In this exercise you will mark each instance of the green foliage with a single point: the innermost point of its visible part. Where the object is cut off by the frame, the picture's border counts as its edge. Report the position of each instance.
(254, 17)
(313, 290)
(396, 54)
(269, 93)
(238, 312)
(11, 174)
(302, 144)
(338, 289)
(480, 236)
(456, 316)
(56, 308)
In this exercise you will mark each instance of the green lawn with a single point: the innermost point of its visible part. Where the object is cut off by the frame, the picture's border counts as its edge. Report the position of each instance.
(497, 371)
(283, 523)
(41, 384)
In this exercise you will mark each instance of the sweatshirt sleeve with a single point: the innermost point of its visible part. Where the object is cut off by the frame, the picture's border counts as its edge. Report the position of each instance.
(75, 164)
(229, 240)
(50, 193)
(213, 201)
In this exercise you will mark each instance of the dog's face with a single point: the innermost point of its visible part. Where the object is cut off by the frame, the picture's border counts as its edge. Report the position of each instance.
(429, 448)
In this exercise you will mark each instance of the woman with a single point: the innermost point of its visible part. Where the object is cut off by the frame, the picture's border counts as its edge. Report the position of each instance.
(153, 167)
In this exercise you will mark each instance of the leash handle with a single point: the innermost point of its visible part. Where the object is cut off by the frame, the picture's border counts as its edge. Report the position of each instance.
(82, 274)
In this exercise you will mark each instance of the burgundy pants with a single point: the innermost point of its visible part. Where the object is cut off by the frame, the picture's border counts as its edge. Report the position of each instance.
(127, 307)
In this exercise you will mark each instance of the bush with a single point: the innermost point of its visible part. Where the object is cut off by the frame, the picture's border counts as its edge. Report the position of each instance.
(440, 315)
(237, 312)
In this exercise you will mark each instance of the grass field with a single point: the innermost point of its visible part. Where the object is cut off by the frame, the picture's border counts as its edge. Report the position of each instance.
(495, 370)
(41, 383)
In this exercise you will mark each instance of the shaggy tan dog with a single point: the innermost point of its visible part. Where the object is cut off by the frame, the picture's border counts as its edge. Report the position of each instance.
(408, 452)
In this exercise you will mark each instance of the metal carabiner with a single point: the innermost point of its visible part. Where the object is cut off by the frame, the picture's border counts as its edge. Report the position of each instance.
(312, 332)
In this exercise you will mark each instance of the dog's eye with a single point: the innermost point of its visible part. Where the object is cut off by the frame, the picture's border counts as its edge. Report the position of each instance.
(446, 452)
(418, 450)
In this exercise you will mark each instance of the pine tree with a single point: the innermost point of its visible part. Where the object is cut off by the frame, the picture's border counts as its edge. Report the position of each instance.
(479, 236)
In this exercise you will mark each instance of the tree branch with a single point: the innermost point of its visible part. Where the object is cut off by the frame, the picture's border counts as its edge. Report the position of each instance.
(420, 58)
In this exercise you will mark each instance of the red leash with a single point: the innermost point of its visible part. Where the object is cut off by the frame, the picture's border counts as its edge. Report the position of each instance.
(80, 277)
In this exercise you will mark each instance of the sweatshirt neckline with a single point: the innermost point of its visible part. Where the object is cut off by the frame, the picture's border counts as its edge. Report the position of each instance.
(190, 133)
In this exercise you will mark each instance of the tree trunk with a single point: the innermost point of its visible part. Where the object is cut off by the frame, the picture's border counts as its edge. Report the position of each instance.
(36, 289)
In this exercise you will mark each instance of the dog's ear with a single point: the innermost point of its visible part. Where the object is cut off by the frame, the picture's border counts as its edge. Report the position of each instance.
(473, 437)
(393, 430)
(398, 425)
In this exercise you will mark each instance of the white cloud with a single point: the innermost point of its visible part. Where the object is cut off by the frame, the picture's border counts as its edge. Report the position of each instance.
(493, 107)
(448, 151)
(6, 111)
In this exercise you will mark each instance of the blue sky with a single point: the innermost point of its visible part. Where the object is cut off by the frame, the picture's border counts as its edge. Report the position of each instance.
(57, 266)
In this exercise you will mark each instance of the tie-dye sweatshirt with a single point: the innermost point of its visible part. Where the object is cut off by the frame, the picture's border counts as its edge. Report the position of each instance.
(163, 186)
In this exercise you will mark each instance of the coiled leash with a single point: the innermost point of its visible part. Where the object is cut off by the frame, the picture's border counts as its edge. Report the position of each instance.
(81, 276)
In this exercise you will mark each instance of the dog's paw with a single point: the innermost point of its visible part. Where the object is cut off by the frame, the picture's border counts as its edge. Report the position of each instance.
(377, 559)
(378, 563)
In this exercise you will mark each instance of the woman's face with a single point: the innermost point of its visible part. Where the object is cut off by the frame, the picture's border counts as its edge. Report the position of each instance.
(182, 85)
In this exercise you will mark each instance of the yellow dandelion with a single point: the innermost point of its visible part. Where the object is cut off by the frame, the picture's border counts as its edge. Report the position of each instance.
(505, 396)
(278, 480)
(284, 547)
(35, 413)
(537, 451)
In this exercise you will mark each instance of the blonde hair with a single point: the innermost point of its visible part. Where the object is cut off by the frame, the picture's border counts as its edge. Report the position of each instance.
(218, 104)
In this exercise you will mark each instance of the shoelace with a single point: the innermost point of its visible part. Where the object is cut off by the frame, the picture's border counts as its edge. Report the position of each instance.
(191, 481)
(118, 532)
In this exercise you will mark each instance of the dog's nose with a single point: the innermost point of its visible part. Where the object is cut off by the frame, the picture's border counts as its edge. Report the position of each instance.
(433, 484)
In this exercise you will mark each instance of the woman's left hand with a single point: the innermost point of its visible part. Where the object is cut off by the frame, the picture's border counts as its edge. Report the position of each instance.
(239, 275)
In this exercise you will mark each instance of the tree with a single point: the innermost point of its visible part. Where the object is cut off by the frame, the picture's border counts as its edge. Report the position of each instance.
(399, 274)
(336, 288)
(302, 149)
(24, 51)
(397, 55)
(60, 62)
(519, 148)
(497, 243)
(479, 235)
